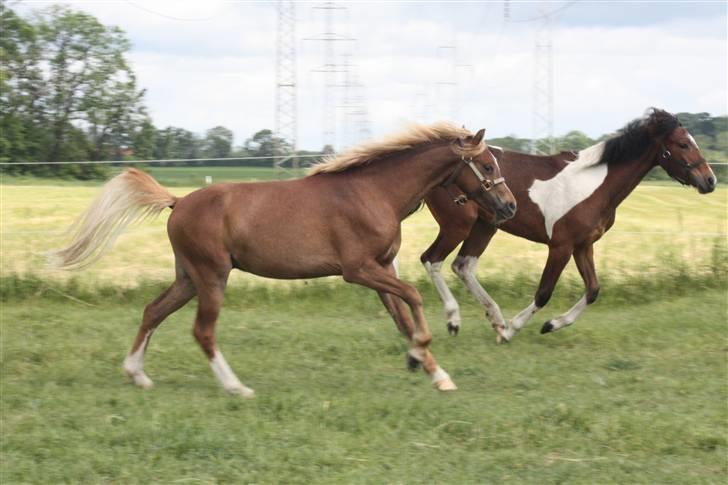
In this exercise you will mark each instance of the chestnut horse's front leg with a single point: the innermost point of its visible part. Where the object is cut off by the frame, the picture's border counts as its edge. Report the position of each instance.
(381, 279)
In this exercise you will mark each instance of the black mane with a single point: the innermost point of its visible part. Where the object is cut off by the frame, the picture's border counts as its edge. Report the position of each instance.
(632, 141)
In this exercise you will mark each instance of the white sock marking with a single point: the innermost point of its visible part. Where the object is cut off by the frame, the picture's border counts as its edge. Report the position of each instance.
(570, 316)
(520, 320)
(134, 365)
(452, 309)
(439, 375)
(576, 182)
(464, 267)
(227, 377)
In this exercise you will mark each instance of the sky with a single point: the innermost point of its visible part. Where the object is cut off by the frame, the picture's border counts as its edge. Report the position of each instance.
(213, 62)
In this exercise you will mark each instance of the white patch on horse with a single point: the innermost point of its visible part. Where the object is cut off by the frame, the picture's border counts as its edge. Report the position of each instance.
(690, 137)
(452, 309)
(578, 180)
(134, 365)
(227, 377)
(395, 265)
(439, 375)
(569, 317)
(464, 267)
(520, 320)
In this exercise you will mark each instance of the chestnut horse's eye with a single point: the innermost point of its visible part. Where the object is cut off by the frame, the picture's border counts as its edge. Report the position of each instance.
(684, 146)
(489, 168)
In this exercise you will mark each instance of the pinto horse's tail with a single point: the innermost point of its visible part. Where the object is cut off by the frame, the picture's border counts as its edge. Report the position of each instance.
(129, 197)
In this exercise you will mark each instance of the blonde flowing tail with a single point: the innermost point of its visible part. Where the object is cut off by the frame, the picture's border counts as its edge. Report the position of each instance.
(127, 198)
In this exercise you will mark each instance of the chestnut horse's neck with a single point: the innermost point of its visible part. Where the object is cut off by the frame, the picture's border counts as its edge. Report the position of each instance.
(405, 178)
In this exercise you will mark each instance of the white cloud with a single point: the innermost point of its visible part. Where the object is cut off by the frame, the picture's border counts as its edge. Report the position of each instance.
(220, 68)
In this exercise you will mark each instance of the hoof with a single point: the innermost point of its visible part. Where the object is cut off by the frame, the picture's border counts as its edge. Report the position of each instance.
(445, 385)
(140, 379)
(244, 392)
(501, 337)
(547, 327)
(453, 329)
(412, 363)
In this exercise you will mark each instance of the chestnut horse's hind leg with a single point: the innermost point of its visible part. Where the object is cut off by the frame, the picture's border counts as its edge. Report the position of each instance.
(210, 294)
(584, 258)
(397, 309)
(382, 279)
(171, 300)
(555, 264)
(465, 265)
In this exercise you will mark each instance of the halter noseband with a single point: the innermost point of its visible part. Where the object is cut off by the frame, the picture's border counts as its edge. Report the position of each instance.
(485, 184)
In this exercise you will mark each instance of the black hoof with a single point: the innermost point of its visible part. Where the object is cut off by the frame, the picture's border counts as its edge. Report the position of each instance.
(412, 363)
(452, 329)
(547, 327)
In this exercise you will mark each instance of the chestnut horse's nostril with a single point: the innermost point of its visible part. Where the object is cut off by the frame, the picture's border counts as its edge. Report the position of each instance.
(711, 181)
(512, 206)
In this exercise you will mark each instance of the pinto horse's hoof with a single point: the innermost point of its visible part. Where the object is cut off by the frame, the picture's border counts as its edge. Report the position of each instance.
(412, 363)
(445, 384)
(501, 337)
(547, 327)
(453, 329)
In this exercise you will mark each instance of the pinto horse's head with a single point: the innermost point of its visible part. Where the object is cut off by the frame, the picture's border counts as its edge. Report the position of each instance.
(679, 154)
(480, 178)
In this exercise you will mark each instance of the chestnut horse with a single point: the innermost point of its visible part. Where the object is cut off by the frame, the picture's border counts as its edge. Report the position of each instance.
(342, 219)
(567, 206)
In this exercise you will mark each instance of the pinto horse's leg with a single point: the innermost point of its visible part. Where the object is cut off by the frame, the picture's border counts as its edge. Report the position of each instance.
(432, 260)
(171, 300)
(465, 265)
(584, 258)
(381, 279)
(555, 264)
(210, 295)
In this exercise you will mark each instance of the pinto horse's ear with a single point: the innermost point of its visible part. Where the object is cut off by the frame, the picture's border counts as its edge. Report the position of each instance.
(479, 136)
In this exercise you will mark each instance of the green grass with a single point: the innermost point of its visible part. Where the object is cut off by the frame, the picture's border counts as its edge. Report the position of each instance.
(656, 227)
(633, 393)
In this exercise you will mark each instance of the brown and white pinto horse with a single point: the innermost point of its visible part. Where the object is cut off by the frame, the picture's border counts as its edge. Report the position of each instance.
(343, 219)
(567, 206)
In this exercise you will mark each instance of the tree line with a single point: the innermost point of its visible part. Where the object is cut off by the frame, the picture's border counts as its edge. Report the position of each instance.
(68, 93)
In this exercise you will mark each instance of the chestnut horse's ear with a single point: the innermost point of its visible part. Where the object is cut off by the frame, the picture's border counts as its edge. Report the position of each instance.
(479, 136)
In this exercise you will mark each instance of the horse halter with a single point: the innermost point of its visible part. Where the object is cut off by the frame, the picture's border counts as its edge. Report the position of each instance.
(485, 184)
(667, 155)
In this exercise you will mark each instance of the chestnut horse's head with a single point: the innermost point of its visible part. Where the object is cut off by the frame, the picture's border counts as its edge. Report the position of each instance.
(679, 154)
(481, 181)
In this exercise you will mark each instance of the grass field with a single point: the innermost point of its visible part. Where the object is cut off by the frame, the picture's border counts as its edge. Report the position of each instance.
(633, 393)
(657, 228)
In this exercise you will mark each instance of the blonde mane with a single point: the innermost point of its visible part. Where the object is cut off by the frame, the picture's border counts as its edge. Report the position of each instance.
(415, 134)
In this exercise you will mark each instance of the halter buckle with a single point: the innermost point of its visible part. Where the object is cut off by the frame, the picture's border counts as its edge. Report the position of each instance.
(460, 199)
(666, 154)
(487, 184)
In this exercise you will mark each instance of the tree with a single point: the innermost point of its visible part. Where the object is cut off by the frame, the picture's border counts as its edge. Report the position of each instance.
(68, 92)
(218, 142)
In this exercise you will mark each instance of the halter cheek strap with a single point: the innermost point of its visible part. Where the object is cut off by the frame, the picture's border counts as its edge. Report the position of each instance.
(667, 155)
(485, 184)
